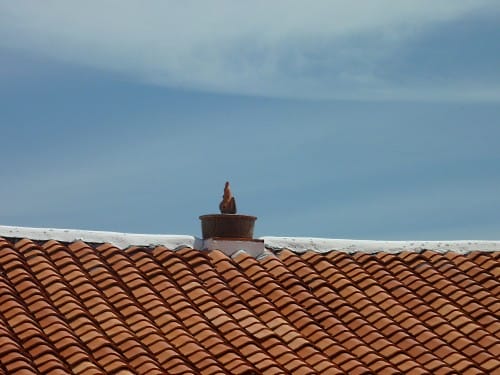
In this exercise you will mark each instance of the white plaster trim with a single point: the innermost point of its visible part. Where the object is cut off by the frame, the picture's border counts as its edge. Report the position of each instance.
(121, 240)
(296, 244)
(230, 247)
(322, 245)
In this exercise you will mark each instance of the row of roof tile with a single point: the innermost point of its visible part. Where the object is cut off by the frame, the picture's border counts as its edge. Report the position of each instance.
(95, 309)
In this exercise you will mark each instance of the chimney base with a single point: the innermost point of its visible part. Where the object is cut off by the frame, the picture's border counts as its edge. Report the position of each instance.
(230, 246)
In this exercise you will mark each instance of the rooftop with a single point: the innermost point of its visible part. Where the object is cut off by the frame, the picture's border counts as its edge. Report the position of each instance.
(99, 302)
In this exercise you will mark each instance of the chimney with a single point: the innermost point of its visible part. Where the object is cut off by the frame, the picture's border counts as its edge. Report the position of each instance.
(228, 231)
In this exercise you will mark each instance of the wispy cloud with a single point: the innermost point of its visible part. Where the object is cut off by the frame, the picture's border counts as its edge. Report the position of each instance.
(320, 49)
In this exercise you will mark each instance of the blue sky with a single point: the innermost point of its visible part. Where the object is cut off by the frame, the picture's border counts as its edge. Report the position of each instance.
(372, 121)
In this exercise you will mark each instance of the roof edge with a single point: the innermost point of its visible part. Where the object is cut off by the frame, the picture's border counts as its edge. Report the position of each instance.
(322, 245)
(121, 240)
(295, 244)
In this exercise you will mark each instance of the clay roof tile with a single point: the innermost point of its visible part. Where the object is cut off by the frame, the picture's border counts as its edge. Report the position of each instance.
(93, 308)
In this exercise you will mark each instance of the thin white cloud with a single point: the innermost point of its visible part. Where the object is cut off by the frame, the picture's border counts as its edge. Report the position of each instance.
(319, 49)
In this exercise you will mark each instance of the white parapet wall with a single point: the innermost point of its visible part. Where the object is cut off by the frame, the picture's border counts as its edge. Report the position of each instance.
(321, 245)
(121, 240)
(296, 244)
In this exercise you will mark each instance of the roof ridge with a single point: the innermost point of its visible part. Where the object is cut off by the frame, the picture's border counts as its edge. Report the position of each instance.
(296, 244)
(322, 245)
(119, 239)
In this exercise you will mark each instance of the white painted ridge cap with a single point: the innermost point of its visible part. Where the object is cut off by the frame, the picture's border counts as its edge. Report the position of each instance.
(323, 245)
(121, 240)
(296, 244)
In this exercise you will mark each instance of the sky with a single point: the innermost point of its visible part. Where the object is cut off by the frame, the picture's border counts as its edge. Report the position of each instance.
(337, 119)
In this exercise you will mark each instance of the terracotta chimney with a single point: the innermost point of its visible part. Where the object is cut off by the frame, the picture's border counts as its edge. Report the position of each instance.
(229, 231)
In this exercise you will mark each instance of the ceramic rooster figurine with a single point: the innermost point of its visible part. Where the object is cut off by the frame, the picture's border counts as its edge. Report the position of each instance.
(228, 204)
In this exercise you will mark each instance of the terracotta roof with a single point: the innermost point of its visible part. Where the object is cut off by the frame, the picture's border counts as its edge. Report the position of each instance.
(94, 308)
